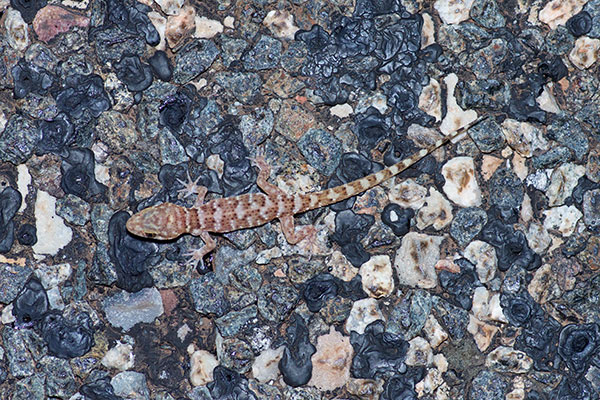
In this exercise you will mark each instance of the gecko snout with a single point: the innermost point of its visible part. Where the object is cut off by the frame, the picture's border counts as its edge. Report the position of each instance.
(162, 222)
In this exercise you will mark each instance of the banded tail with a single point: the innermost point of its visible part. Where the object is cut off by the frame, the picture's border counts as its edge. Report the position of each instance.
(342, 192)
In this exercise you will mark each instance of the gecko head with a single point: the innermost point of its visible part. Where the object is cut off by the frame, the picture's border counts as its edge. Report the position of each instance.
(161, 222)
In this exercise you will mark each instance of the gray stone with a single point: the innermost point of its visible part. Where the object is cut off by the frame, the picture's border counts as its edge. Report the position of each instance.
(234, 322)
(265, 54)
(12, 280)
(60, 381)
(209, 296)
(467, 224)
(487, 135)
(321, 149)
(488, 385)
(591, 209)
(130, 384)
(193, 59)
(18, 140)
(244, 86)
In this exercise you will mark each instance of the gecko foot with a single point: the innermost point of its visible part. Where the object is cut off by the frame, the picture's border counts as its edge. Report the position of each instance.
(308, 244)
(260, 162)
(190, 187)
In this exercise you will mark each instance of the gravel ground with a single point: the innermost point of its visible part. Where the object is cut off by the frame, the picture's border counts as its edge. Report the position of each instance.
(471, 275)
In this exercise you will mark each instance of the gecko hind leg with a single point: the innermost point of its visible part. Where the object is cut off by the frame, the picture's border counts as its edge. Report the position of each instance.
(196, 255)
(264, 171)
(293, 236)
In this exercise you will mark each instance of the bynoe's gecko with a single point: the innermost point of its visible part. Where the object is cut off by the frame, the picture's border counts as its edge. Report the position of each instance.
(168, 221)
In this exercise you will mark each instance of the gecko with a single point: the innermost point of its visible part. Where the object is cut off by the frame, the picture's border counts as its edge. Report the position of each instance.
(168, 221)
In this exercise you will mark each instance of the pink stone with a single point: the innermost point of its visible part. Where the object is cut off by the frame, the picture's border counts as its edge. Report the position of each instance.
(52, 20)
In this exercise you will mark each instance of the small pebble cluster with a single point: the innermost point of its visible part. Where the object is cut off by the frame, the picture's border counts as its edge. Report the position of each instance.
(473, 274)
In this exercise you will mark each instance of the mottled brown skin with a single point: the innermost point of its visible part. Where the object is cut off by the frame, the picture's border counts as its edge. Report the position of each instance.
(168, 221)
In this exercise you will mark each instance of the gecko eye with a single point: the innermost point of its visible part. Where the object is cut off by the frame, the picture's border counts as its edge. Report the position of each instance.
(150, 235)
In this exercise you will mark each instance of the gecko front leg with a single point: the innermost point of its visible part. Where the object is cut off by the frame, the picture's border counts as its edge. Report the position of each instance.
(196, 255)
(191, 188)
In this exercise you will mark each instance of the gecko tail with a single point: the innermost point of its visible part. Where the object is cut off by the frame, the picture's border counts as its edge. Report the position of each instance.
(342, 192)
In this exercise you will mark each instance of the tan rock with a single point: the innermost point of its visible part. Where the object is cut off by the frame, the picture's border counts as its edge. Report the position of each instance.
(332, 360)
(53, 20)
(415, 260)
(16, 30)
(436, 212)
(202, 364)
(558, 12)
(453, 11)
(180, 26)
(461, 185)
(281, 23)
(377, 276)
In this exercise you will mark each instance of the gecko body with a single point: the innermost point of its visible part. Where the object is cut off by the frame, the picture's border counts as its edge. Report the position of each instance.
(168, 221)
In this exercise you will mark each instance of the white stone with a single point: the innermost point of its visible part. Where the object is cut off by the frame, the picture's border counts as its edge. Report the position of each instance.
(483, 255)
(341, 110)
(427, 31)
(265, 256)
(170, 7)
(202, 364)
(538, 238)
(440, 362)
(362, 314)
(523, 137)
(430, 99)
(51, 276)
(506, 359)
(456, 117)
(207, 28)
(562, 182)
(544, 287)
(160, 23)
(229, 22)
(408, 193)
(562, 219)
(486, 306)
(461, 185)
(482, 332)
(55, 300)
(23, 182)
(120, 357)
(340, 267)
(432, 380)
(436, 212)
(16, 30)
(180, 26)
(558, 12)
(7, 315)
(415, 260)
(547, 101)
(266, 365)
(377, 276)
(434, 332)
(52, 233)
(419, 352)
(375, 99)
(124, 309)
(281, 23)
(453, 11)
(331, 362)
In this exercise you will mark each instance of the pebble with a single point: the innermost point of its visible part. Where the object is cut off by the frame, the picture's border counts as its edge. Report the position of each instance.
(362, 314)
(562, 182)
(170, 7)
(207, 28)
(51, 21)
(332, 361)
(415, 260)
(455, 117)
(120, 357)
(13, 275)
(17, 35)
(585, 52)
(482, 332)
(453, 11)
(419, 352)
(265, 54)
(265, 367)
(377, 276)
(507, 359)
(538, 238)
(130, 385)
(53, 275)
(52, 232)
(436, 212)
(180, 26)
(523, 137)
(244, 86)
(558, 12)
(321, 150)
(124, 310)
(281, 23)
(467, 224)
(483, 255)
(434, 331)
(461, 185)
(408, 193)
(202, 364)
(562, 219)
(430, 99)
(591, 209)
